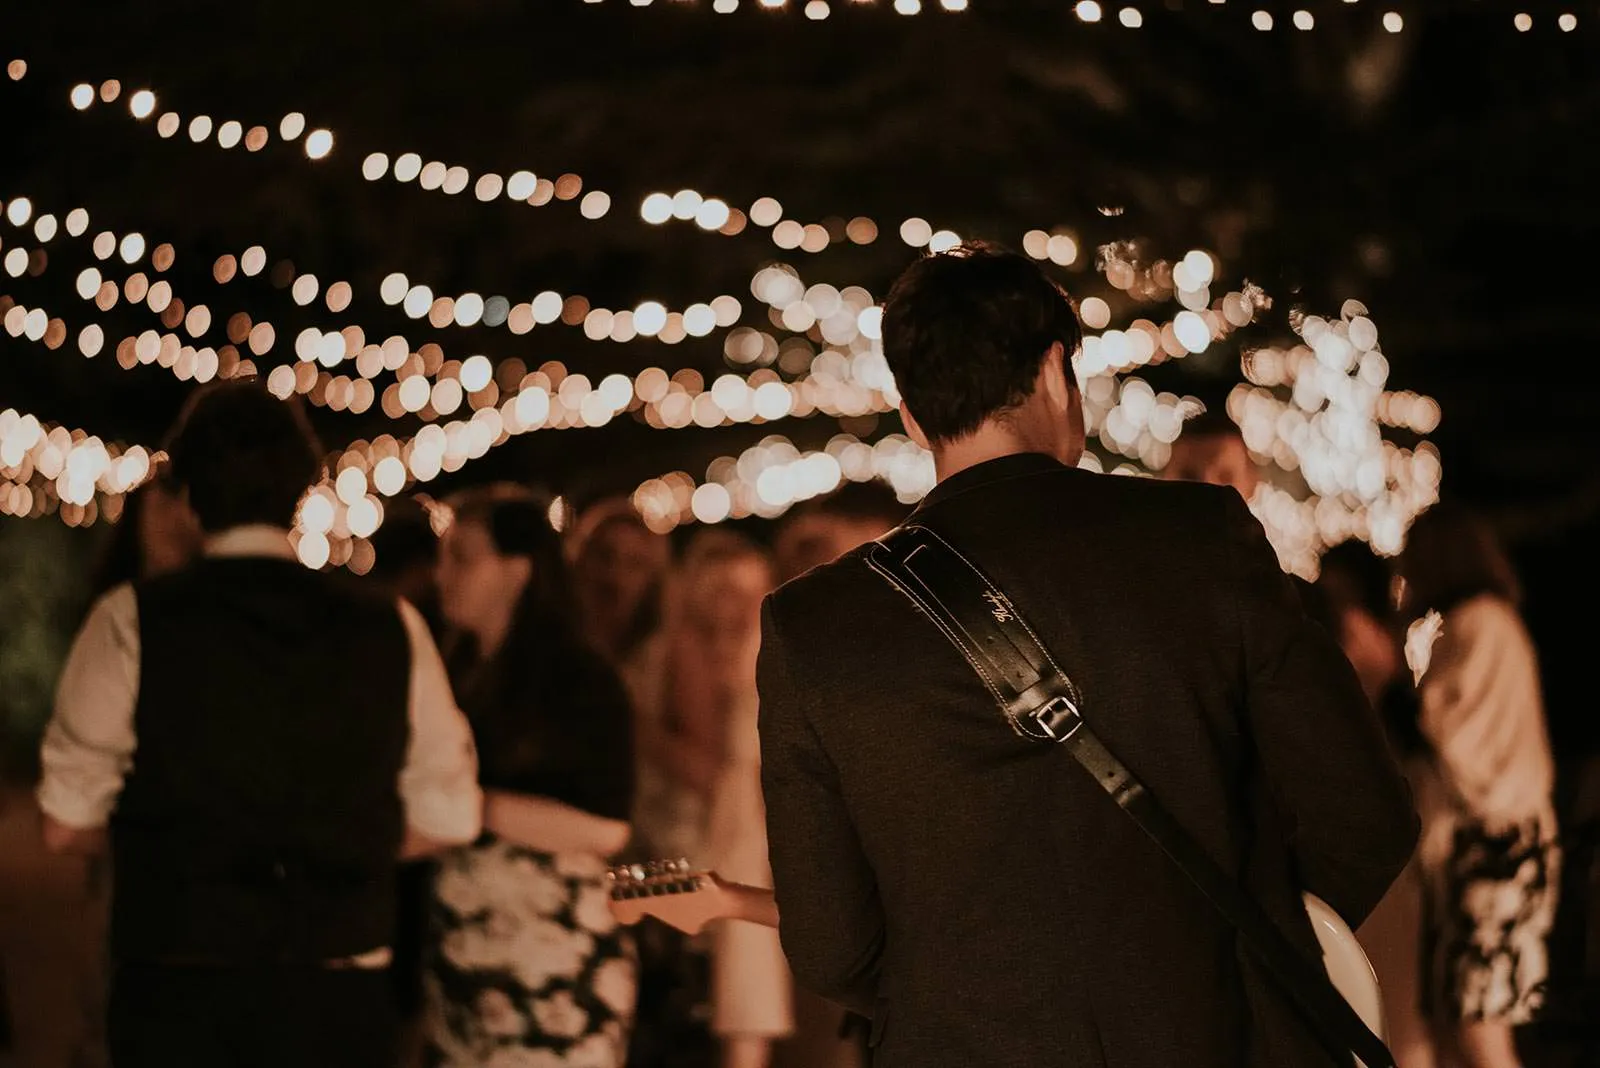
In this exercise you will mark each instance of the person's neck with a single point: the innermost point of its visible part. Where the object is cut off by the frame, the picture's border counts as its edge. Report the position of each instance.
(491, 634)
(988, 442)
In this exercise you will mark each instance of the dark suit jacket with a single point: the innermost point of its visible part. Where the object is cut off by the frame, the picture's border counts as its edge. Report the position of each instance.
(974, 891)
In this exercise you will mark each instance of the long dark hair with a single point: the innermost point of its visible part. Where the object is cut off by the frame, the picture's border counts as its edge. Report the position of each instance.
(545, 663)
(593, 525)
(1355, 578)
(125, 555)
(122, 559)
(1452, 555)
(518, 523)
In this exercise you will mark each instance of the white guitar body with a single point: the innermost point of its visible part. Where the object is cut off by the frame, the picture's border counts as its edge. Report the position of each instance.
(1347, 964)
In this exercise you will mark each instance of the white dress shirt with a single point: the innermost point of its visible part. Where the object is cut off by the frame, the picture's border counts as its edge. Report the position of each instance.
(89, 745)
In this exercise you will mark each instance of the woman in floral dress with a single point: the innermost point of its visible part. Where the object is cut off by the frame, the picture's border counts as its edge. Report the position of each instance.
(1489, 856)
(527, 968)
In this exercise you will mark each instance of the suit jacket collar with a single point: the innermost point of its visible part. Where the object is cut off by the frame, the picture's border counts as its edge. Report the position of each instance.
(996, 470)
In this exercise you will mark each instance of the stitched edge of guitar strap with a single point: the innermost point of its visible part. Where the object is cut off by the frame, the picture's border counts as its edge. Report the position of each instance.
(1040, 701)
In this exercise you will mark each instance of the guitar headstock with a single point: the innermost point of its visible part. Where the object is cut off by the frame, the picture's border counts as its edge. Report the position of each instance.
(670, 891)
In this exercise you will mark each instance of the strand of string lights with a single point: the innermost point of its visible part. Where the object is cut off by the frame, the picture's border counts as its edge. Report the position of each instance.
(848, 318)
(849, 377)
(650, 319)
(318, 144)
(599, 323)
(1124, 412)
(712, 214)
(838, 316)
(545, 399)
(549, 398)
(47, 469)
(553, 399)
(473, 378)
(1093, 12)
(826, 384)
(709, 213)
(1325, 432)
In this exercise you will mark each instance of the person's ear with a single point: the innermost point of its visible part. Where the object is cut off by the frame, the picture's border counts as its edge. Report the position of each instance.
(1054, 376)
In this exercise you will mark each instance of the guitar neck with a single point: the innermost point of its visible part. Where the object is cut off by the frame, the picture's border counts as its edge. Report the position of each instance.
(685, 899)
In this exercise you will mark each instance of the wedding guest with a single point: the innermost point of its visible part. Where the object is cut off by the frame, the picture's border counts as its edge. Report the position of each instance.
(821, 530)
(701, 672)
(694, 681)
(1488, 853)
(526, 964)
(618, 567)
(751, 990)
(295, 735)
(157, 533)
(406, 556)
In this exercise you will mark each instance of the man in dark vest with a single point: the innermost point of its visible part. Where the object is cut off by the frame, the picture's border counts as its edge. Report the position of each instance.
(265, 743)
(976, 892)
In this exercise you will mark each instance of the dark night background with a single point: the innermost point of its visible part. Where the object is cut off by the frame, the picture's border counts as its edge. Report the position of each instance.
(1445, 176)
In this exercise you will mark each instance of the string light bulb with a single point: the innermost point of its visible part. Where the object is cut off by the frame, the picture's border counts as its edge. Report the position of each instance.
(318, 144)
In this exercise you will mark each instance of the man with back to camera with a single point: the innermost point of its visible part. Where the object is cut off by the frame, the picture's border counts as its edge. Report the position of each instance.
(975, 892)
(264, 742)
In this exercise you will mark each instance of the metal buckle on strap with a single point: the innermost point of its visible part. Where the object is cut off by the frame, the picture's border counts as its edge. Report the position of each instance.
(1057, 718)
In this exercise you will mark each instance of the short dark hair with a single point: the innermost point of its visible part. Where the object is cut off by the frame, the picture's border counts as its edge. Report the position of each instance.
(1354, 577)
(1213, 421)
(867, 501)
(243, 455)
(965, 333)
(405, 539)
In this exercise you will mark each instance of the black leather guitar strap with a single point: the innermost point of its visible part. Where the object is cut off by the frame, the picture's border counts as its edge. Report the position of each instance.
(1040, 701)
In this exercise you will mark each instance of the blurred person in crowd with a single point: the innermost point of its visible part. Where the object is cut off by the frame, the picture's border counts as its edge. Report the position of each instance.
(406, 555)
(1212, 449)
(525, 963)
(1360, 587)
(157, 533)
(618, 567)
(1488, 854)
(821, 530)
(699, 795)
(1353, 599)
(700, 673)
(295, 735)
(751, 993)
